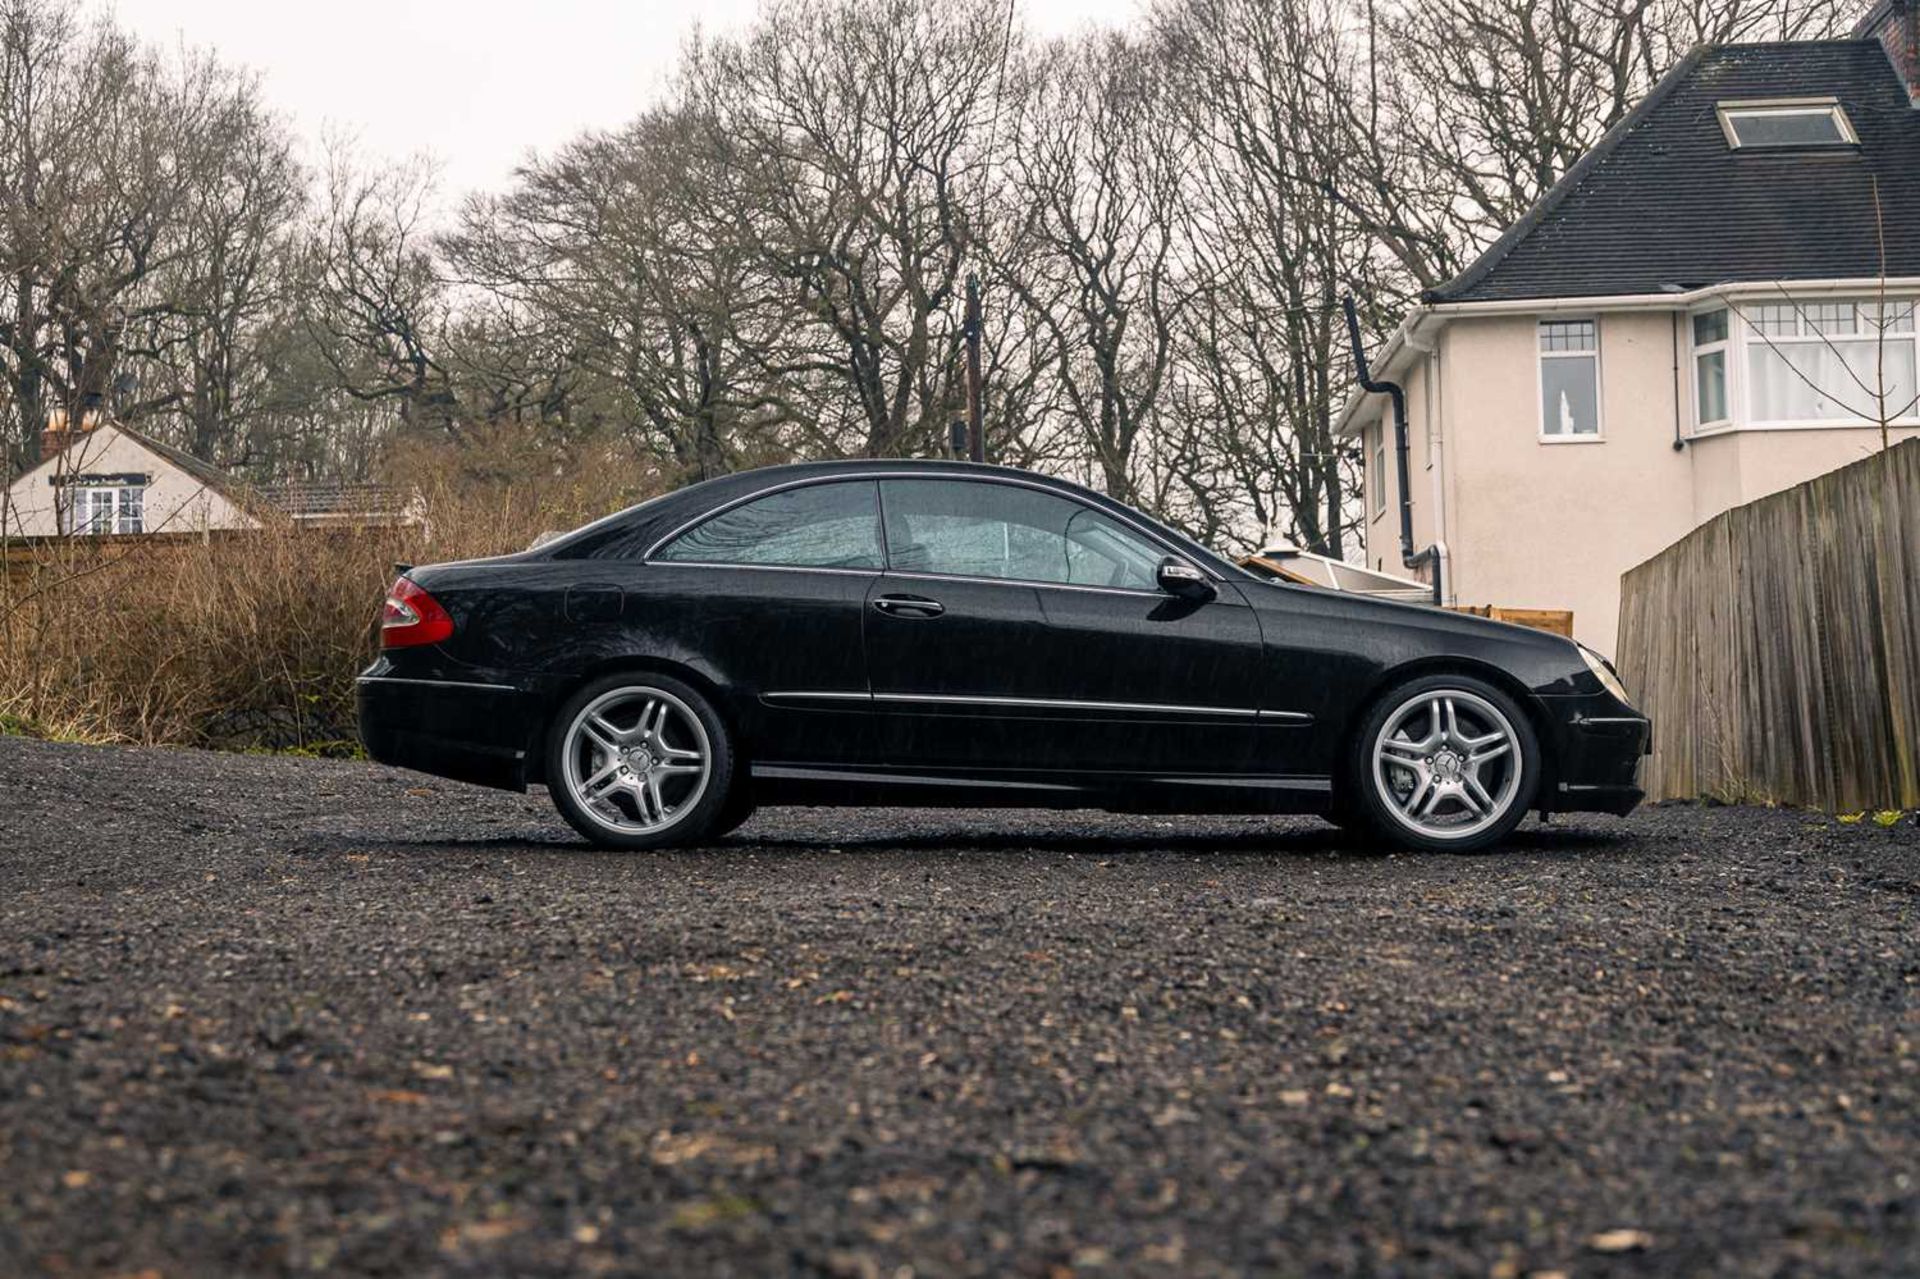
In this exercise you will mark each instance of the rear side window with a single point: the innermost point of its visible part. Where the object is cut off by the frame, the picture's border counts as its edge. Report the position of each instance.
(816, 526)
(972, 528)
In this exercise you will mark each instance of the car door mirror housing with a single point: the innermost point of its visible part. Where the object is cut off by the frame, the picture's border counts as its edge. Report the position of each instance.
(1177, 577)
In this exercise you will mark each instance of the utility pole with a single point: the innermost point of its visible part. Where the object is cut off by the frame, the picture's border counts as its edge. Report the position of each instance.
(972, 331)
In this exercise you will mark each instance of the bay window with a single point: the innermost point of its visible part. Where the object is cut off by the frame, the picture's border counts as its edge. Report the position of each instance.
(1792, 363)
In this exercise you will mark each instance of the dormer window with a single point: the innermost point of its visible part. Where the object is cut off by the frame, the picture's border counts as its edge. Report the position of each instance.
(1786, 124)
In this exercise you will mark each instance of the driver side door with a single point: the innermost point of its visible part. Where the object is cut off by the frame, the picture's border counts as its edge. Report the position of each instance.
(1018, 629)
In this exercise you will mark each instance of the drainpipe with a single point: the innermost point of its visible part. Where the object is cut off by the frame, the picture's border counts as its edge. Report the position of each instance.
(1394, 392)
(1679, 440)
(1437, 460)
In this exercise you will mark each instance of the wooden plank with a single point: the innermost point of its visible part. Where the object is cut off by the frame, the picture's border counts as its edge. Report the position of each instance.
(1557, 620)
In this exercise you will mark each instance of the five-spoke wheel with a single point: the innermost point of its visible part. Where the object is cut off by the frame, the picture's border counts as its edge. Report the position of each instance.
(639, 762)
(1444, 762)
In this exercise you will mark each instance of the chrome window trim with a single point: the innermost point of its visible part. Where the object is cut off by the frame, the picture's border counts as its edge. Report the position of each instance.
(1136, 593)
(962, 477)
(1035, 703)
(764, 568)
(435, 683)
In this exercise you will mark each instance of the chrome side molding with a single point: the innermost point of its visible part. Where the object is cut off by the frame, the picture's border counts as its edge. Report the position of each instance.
(436, 683)
(1032, 703)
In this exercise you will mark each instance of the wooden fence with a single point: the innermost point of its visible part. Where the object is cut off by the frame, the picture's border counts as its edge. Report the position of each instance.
(1777, 647)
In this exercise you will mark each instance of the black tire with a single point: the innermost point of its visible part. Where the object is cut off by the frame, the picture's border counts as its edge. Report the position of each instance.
(738, 810)
(1342, 811)
(697, 817)
(1473, 702)
(1345, 815)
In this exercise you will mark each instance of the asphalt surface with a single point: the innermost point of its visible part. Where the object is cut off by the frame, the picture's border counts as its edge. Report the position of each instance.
(266, 1015)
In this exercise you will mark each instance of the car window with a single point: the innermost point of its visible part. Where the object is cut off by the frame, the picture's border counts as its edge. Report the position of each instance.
(973, 528)
(815, 526)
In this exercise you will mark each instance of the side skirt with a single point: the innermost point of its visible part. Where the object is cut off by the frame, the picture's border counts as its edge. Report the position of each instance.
(777, 784)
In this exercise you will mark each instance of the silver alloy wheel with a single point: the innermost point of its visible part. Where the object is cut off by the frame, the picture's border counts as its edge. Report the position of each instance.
(637, 759)
(1447, 764)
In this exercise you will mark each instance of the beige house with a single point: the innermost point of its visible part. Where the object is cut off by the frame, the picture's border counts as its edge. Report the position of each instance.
(1697, 315)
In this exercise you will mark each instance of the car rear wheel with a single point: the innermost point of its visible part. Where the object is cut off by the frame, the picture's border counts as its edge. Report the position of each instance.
(1444, 763)
(640, 761)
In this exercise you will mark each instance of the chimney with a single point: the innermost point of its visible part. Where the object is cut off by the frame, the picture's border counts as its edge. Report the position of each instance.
(60, 433)
(1896, 25)
(57, 435)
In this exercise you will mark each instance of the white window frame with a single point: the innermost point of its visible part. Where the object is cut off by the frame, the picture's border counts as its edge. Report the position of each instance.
(1741, 338)
(130, 505)
(1729, 111)
(1599, 433)
(116, 513)
(1730, 350)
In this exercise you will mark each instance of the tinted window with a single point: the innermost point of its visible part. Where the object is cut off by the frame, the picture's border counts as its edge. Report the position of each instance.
(977, 529)
(817, 526)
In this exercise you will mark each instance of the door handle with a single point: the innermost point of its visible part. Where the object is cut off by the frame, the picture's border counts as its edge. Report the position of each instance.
(909, 606)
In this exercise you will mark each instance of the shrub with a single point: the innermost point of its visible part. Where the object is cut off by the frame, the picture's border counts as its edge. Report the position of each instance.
(253, 638)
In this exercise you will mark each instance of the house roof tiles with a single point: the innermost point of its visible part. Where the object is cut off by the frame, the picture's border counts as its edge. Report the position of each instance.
(1663, 203)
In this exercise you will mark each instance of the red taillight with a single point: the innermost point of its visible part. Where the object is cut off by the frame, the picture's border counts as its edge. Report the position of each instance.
(411, 616)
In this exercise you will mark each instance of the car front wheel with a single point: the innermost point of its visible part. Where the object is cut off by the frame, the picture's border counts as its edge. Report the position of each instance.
(1444, 763)
(640, 761)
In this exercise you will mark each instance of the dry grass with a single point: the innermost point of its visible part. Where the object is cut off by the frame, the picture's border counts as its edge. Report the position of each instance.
(253, 639)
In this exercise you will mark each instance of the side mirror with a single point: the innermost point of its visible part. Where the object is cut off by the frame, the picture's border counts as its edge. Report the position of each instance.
(1177, 577)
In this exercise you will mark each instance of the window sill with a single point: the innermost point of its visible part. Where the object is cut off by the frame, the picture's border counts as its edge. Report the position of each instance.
(1595, 438)
(1735, 428)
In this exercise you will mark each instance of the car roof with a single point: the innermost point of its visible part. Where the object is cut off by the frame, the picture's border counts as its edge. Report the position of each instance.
(665, 513)
(870, 465)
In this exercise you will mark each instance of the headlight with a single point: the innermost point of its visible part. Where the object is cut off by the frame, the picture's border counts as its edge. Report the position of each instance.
(1608, 680)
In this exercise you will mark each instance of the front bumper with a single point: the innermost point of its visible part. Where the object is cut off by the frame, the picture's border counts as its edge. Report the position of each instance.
(1599, 747)
(467, 730)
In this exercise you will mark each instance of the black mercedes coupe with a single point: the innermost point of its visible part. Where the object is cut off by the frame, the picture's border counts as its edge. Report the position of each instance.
(944, 633)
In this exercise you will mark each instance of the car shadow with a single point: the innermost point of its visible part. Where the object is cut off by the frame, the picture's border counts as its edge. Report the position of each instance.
(1294, 838)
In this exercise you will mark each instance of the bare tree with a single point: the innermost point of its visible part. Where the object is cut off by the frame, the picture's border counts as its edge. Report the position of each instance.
(616, 257)
(843, 131)
(1093, 256)
(209, 345)
(374, 305)
(1272, 244)
(104, 153)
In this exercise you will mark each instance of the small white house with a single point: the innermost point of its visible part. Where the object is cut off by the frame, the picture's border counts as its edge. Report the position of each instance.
(110, 479)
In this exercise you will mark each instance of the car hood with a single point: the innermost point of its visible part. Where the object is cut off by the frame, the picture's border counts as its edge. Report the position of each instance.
(1549, 664)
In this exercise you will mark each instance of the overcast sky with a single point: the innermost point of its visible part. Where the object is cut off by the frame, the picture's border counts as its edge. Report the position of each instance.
(474, 83)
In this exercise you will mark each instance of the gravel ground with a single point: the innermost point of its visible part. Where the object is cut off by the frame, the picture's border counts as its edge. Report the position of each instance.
(262, 1015)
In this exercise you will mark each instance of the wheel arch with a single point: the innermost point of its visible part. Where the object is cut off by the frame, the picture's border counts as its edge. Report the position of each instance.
(698, 680)
(1392, 677)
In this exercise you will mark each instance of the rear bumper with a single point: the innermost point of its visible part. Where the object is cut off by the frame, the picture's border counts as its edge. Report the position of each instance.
(1600, 746)
(469, 731)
